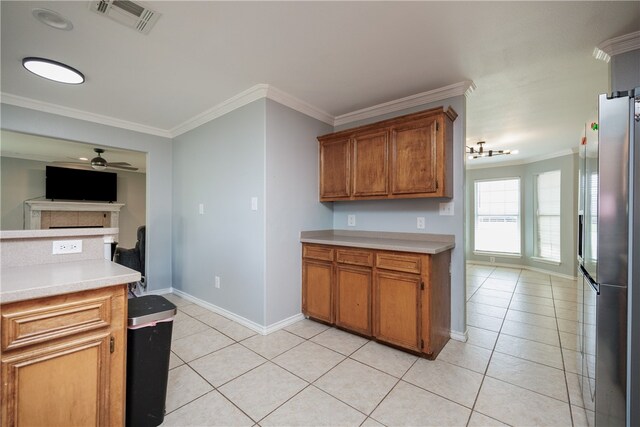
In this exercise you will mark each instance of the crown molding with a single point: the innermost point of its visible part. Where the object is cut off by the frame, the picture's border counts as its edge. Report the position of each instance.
(456, 89)
(254, 93)
(275, 94)
(617, 45)
(526, 161)
(46, 107)
(248, 96)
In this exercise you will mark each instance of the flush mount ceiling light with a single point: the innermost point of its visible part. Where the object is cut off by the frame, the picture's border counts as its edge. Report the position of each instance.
(53, 70)
(52, 19)
(480, 152)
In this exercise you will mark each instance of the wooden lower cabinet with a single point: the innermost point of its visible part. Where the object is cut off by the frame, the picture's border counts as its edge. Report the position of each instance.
(399, 298)
(353, 298)
(317, 290)
(63, 359)
(397, 308)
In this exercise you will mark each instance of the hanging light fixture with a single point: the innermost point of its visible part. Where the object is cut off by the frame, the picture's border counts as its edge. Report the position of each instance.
(480, 152)
(53, 70)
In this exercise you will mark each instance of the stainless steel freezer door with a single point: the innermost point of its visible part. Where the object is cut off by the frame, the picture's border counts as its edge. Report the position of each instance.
(611, 360)
(613, 191)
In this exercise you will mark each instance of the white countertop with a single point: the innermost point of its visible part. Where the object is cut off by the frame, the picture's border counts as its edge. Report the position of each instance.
(42, 280)
(56, 232)
(402, 242)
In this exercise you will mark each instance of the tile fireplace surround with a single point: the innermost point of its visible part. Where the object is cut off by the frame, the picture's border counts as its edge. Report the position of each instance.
(45, 214)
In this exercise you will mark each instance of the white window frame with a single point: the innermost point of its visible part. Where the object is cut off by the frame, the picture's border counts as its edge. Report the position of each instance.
(539, 256)
(504, 254)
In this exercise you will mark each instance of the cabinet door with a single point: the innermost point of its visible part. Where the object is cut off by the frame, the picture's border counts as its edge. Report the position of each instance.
(62, 385)
(353, 303)
(413, 158)
(397, 309)
(334, 168)
(317, 293)
(370, 164)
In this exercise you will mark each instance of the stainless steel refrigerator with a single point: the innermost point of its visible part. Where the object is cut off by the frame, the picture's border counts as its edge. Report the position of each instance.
(609, 258)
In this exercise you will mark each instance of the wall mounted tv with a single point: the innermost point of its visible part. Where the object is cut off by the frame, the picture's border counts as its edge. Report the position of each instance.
(77, 184)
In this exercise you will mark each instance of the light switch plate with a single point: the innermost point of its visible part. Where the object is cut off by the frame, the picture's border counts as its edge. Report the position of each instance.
(254, 203)
(201, 208)
(446, 208)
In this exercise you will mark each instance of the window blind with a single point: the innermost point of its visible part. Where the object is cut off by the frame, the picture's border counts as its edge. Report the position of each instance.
(548, 198)
(497, 216)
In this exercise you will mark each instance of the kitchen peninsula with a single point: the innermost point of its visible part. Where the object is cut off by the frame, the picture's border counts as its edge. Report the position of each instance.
(394, 287)
(63, 328)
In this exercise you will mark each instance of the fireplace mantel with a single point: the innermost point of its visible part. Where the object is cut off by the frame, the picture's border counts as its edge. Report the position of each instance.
(70, 214)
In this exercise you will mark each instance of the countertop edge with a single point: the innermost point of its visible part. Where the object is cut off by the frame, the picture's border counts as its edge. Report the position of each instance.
(441, 246)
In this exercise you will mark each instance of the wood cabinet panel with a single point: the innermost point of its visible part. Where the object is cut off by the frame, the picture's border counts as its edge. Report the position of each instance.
(409, 156)
(335, 176)
(414, 158)
(317, 290)
(65, 386)
(55, 320)
(399, 262)
(353, 298)
(397, 309)
(63, 359)
(322, 253)
(355, 257)
(370, 164)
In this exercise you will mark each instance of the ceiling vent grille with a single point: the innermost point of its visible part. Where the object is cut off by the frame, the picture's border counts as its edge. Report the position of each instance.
(132, 14)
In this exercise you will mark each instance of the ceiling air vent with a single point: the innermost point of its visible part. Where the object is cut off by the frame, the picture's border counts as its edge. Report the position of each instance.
(132, 14)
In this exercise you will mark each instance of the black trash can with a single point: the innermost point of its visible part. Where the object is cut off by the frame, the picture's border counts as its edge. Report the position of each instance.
(148, 350)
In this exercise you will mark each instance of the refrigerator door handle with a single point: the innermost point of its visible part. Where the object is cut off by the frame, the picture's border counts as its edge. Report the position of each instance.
(595, 286)
(581, 236)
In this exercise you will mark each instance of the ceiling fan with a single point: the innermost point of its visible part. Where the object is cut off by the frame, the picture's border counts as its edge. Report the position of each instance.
(100, 163)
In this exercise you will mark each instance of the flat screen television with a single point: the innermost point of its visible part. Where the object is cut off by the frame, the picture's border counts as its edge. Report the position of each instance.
(77, 184)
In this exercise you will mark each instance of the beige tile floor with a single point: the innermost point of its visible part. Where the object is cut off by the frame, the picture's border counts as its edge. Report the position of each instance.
(517, 368)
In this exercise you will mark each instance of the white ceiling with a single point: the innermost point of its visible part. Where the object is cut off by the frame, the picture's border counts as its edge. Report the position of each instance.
(537, 81)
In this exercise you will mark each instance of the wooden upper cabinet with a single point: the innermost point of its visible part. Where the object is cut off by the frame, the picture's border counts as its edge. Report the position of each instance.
(370, 164)
(334, 168)
(414, 158)
(406, 157)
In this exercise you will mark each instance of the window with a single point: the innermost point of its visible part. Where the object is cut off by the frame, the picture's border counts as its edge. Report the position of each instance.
(548, 216)
(497, 216)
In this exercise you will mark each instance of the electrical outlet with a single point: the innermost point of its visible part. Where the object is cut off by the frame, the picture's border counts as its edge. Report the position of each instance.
(351, 220)
(254, 203)
(492, 259)
(217, 282)
(420, 223)
(66, 247)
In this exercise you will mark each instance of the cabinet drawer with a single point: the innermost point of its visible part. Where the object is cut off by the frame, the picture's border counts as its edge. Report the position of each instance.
(46, 319)
(399, 262)
(322, 253)
(355, 257)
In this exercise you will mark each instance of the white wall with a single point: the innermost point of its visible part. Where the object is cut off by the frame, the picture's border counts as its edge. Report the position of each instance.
(568, 166)
(292, 204)
(625, 71)
(159, 171)
(25, 179)
(400, 215)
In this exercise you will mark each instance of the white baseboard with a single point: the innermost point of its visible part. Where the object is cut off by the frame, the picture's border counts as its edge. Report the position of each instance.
(524, 267)
(262, 330)
(162, 291)
(459, 336)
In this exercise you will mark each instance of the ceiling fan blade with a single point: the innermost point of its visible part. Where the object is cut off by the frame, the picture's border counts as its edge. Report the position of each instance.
(118, 164)
(125, 168)
(72, 164)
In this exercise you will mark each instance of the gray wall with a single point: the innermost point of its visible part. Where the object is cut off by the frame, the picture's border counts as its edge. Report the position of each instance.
(568, 165)
(400, 215)
(625, 71)
(291, 204)
(158, 184)
(221, 165)
(25, 179)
